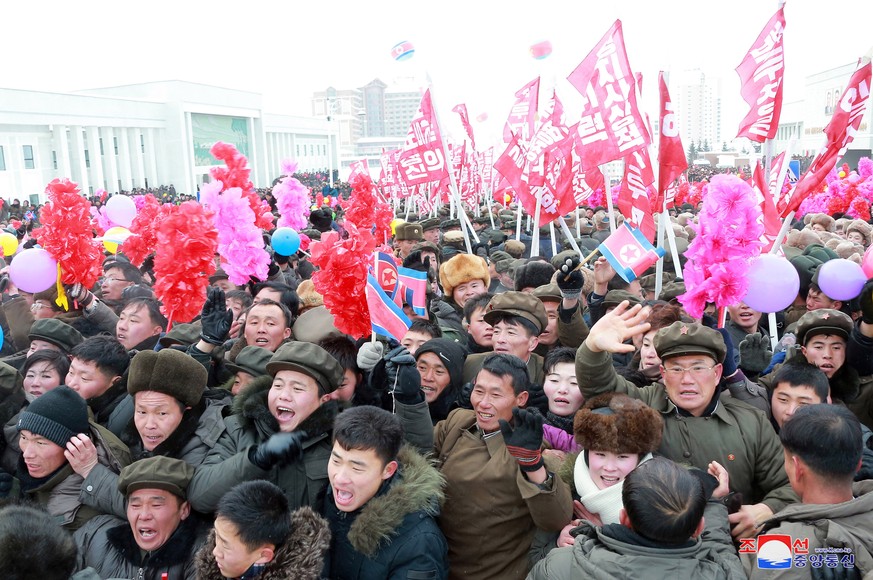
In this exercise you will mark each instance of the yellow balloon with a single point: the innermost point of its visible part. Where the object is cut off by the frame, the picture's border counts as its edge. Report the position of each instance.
(114, 237)
(507, 198)
(842, 174)
(394, 223)
(9, 243)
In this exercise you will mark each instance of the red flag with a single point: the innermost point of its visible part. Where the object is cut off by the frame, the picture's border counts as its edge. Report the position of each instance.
(671, 154)
(461, 110)
(633, 198)
(840, 133)
(511, 164)
(769, 215)
(361, 167)
(522, 116)
(761, 79)
(422, 158)
(778, 168)
(611, 126)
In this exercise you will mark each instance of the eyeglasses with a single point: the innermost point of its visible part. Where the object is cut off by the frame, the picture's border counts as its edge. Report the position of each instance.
(110, 280)
(38, 305)
(696, 370)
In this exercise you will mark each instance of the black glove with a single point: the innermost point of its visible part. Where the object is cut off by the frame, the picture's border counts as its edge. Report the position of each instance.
(464, 396)
(755, 353)
(280, 449)
(525, 440)
(273, 269)
(80, 294)
(536, 398)
(215, 319)
(394, 359)
(148, 266)
(570, 280)
(866, 299)
(839, 572)
(407, 390)
(4, 283)
(5, 484)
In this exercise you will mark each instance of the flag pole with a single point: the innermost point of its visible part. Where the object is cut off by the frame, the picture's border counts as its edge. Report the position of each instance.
(535, 234)
(659, 267)
(554, 240)
(518, 223)
(567, 233)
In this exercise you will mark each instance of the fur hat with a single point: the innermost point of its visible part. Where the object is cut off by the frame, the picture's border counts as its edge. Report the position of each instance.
(861, 227)
(800, 239)
(618, 424)
(407, 231)
(308, 295)
(463, 268)
(168, 371)
(823, 220)
(533, 274)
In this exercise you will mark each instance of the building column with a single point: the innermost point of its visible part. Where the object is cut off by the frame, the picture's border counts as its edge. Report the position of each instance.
(78, 169)
(97, 176)
(110, 159)
(124, 167)
(151, 165)
(136, 149)
(62, 150)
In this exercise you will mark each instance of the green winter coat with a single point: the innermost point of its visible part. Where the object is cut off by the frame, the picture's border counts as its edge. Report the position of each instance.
(599, 556)
(736, 435)
(251, 423)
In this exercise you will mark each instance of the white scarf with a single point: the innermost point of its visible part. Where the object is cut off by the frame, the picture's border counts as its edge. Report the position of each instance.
(604, 502)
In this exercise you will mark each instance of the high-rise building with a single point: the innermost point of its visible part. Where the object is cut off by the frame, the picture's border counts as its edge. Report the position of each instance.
(698, 108)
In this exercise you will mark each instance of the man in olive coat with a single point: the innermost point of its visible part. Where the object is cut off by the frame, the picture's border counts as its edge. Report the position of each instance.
(700, 424)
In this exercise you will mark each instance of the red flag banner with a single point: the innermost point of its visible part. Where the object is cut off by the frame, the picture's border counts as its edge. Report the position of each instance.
(778, 168)
(511, 165)
(461, 110)
(522, 116)
(611, 126)
(361, 167)
(761, 81)
(422, 159)
(671, 154)
(633, 198)
(840, 133)
(769, 215)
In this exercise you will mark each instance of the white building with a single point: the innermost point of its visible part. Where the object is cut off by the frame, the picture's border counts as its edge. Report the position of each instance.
(147, 135)
(698, 108)
(805, 120)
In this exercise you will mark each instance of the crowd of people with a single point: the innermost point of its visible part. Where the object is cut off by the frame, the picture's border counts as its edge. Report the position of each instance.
(542, 419)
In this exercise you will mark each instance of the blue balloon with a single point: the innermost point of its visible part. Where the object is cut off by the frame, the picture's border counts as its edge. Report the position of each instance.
(285, 241)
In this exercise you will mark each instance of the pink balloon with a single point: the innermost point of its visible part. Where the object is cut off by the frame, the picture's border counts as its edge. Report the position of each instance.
(867, 263)
(773, 284)
(841, 279)
(121, 210)
(33, 270)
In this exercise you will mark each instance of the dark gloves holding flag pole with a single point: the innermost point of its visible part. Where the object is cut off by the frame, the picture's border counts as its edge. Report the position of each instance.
(524, 440)
(404, 382)
(570, 279)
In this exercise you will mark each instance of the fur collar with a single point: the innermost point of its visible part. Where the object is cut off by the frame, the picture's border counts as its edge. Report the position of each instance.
(251, 406)
(174, 444)
(301, 557)
(176, 550)
(418, 487)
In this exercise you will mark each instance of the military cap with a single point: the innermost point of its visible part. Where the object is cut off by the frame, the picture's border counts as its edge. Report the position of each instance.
(483, 220)
(510, 225)
(504, 266)
(498, 256)
(616, 297)
(309, 359)
(672, 289)
(315, 325)
(311, 233)
(519, 304)
(408, 231)
(450, 224)
(184, 334)
(684, 338)
(252, 360)
(52, 330)
(823, 321)
(548, 293)
(158, 472)
(453, 237)
(429, 224)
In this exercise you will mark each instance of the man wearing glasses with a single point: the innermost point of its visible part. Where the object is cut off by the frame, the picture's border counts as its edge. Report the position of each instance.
(701, 424)
(116, 277)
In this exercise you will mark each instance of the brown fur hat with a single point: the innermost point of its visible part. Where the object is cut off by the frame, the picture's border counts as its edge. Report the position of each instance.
(800, 239)
(823, 220)
(463, 268)
(619, 424)
(862, 228)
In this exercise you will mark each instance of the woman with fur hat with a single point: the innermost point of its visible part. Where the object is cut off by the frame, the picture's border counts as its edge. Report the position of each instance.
(462, 277)
(616, 434)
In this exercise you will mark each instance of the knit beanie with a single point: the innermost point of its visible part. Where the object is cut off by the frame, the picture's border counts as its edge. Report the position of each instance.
(533, 275)
(452, 356)
(57, 415)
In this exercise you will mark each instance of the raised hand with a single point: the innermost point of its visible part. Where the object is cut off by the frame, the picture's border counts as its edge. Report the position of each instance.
(617, 326)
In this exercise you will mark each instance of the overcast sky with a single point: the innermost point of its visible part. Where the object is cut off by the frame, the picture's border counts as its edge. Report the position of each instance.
(475, 50)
